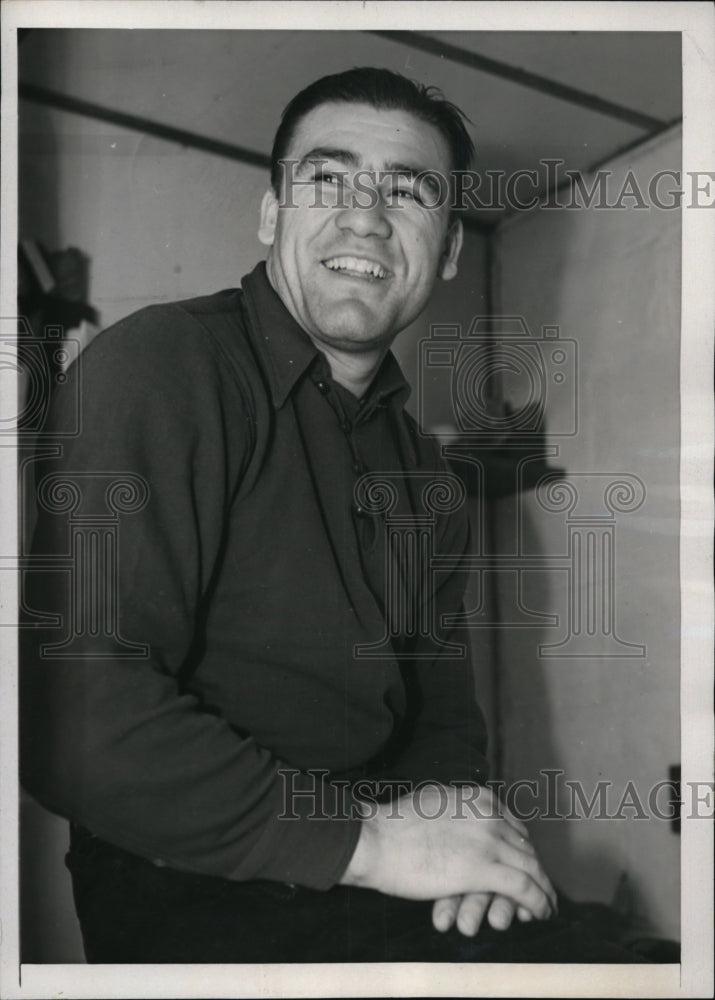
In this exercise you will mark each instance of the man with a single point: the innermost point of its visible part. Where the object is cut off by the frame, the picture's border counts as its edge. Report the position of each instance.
(230, 674)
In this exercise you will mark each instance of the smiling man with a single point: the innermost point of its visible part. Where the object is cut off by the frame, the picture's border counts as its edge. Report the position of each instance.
(263, 757)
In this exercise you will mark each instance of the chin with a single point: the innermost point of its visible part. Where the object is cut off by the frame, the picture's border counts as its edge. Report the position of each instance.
(356, 327)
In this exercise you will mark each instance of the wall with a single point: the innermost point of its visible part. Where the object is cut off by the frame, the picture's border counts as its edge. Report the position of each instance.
(159, 222)
(611, 280)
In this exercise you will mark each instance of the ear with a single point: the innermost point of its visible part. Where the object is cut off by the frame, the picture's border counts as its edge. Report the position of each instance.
(269, 217)
(452, 248)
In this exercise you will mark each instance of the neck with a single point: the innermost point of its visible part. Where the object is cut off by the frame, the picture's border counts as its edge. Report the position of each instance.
(354, 371)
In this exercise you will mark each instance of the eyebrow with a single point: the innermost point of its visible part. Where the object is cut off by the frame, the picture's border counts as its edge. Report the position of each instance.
(346, 156)
(410, 172)
(406, 168)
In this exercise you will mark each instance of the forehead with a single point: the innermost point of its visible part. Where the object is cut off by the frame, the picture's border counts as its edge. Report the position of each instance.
(376, 136)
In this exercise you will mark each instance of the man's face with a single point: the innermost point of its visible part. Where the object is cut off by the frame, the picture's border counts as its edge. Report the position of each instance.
(354, 249)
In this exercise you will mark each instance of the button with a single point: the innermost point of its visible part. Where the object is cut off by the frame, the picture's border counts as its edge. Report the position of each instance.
(346, 427)
(323, 387)
(357, 468)
(360, 511)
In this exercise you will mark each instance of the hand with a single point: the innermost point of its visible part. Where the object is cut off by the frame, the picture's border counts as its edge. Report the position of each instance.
(468, 911)
(458, 851)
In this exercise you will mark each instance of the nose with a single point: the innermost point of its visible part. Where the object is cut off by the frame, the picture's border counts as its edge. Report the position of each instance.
(365, 215)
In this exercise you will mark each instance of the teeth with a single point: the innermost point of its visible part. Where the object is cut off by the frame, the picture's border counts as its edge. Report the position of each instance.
(358, 264)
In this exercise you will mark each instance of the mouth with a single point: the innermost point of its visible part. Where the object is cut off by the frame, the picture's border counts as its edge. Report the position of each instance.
(357, 267)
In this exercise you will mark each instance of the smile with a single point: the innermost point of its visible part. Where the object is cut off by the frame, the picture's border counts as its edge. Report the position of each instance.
(356, 267)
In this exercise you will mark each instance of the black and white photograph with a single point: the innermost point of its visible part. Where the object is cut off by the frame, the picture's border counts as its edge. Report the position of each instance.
(357, 437)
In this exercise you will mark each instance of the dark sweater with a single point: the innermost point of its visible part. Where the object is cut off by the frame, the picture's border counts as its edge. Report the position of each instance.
(249, 576)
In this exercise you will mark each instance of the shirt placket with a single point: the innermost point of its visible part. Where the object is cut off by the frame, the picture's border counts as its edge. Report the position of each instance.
(396, 457)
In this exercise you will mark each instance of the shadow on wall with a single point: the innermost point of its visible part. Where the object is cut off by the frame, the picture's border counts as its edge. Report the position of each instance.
(49, 930)
(527, 725)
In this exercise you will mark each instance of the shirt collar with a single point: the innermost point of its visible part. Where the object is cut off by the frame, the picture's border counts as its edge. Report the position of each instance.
(287, 351)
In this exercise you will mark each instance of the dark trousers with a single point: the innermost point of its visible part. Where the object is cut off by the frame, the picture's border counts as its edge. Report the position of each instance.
(131, 910)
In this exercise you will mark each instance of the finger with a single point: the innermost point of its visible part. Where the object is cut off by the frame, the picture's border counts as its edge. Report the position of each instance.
(523, 914)
(528, 883)
(533, 867)
(471, 912)
(517, 840)
(522, 889)
(524, 844)
(501, 912)
(530, 866)
(444, 912)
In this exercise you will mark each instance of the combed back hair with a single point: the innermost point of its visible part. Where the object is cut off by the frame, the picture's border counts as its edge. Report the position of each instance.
(384, 90)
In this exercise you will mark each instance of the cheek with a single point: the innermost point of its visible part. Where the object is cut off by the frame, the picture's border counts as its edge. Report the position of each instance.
(295, 224)
(423, 240)
(423, 258)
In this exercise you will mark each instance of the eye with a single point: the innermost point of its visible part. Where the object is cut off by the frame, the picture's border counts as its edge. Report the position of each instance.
(407, 194)
(327, 177)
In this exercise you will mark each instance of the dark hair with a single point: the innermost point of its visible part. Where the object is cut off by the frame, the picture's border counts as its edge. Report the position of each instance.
(382, 89)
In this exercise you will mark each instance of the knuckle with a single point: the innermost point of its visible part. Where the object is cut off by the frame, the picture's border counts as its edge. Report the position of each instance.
(533, 867)
(522, 883)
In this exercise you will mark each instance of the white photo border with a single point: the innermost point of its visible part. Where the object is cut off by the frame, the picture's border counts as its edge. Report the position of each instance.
(694, 976)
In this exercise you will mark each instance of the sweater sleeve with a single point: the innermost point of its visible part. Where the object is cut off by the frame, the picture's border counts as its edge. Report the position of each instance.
(111, 739)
